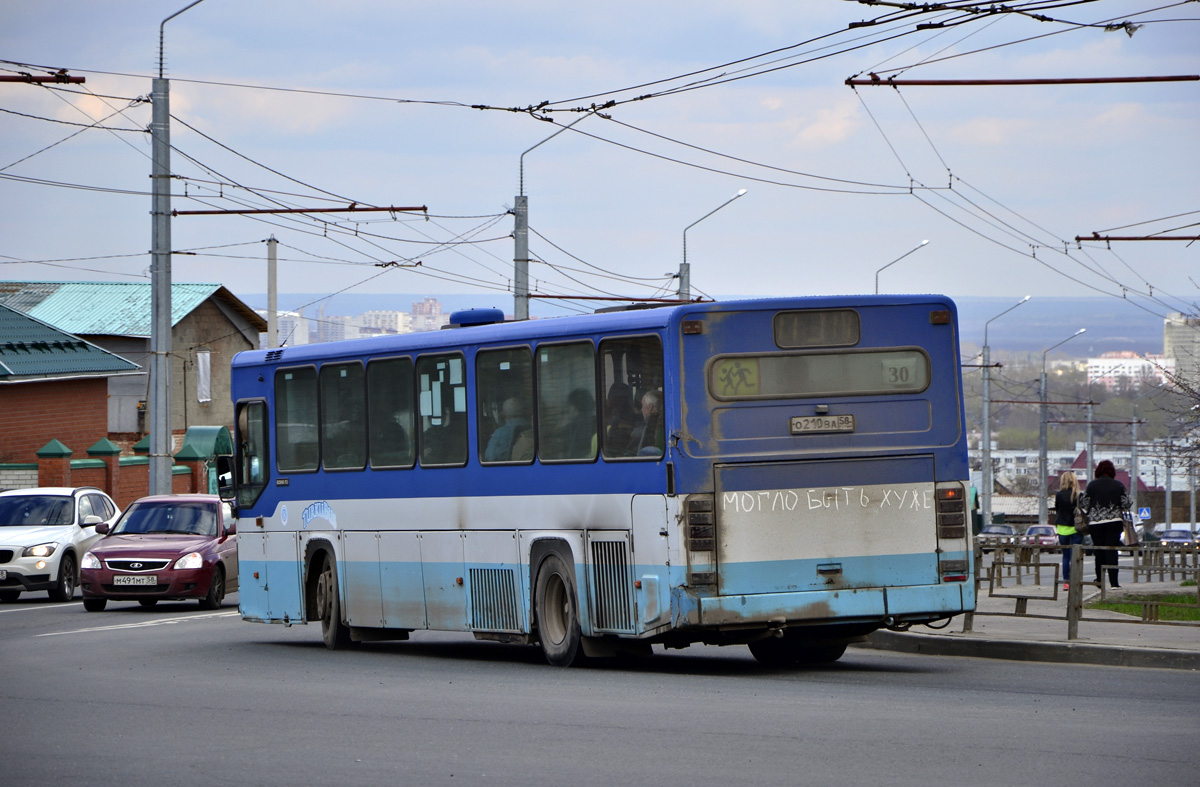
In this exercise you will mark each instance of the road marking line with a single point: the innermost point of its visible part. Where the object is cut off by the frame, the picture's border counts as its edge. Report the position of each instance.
(144, 624)
(49, 606)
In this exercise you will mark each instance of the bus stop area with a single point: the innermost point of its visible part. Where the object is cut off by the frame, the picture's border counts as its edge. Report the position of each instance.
(1028, 622)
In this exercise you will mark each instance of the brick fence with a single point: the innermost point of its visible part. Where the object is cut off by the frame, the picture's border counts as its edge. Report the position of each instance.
(124, 478)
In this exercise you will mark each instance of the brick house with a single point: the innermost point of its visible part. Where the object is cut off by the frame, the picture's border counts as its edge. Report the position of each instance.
(53, 386)
(209, 325)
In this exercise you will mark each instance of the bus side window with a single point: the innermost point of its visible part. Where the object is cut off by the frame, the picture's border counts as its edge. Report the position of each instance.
(343, 425)
(251, 451)
(296, 419)
(390, 412)
(567, 413)
(633, 407)
(504, 405)
(442, 403)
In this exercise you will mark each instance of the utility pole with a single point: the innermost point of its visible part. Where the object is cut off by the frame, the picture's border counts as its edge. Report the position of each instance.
(1043, 470)
(1170, 471)
(272, 295)
(1090, 459)
(521, 257)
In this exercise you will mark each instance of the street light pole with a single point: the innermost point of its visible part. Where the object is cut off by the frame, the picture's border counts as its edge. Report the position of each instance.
(685, 271)
(1042, 468)
(988, 484)
(893, 262)
(161, 443)
(521, 233)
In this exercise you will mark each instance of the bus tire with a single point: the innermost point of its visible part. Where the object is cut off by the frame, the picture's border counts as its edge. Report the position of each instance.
(774, 651)
(335, 633)
(822, 652)
(557, 608)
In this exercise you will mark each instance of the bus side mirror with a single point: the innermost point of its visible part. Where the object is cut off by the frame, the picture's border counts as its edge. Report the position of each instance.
(225, 484)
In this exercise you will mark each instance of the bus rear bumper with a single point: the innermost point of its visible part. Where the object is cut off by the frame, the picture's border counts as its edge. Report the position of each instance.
(899, 604)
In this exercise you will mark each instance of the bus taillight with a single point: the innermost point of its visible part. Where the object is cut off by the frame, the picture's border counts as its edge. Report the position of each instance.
(951, 511)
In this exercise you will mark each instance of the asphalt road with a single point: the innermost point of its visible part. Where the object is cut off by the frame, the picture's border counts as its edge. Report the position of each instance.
(179, 696)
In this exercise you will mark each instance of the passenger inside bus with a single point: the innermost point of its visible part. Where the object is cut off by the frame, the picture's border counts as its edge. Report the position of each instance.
(618, 420)
(500, 444)
(648, 437)
(579, 432)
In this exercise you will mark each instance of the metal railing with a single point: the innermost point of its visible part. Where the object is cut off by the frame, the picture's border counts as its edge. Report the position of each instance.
(1017, 571)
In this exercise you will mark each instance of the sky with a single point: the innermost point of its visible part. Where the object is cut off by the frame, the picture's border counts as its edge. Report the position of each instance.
(317, 104)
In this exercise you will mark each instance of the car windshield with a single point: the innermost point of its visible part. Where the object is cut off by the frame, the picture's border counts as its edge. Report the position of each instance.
(190, 518)
(1040, 530)
(997, 530)
(1177, 534)
(26, 510)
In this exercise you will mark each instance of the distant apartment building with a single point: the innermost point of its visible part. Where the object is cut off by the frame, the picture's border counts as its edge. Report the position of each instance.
(427, 315)
(385, 321)
(1181, 343)
(1116, 369)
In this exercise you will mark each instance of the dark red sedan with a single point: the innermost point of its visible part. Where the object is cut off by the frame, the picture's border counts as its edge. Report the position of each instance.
(163, 547)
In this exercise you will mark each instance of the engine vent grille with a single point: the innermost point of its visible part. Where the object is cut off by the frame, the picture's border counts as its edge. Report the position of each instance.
(494, 600)
(613, 591)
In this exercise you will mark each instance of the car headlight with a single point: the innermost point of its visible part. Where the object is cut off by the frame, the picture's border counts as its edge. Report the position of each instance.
(90, 561)
(41, 550)
(190, 560)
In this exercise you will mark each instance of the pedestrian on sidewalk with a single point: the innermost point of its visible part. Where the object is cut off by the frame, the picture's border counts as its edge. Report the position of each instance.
(1065, 503)
(1105, 500)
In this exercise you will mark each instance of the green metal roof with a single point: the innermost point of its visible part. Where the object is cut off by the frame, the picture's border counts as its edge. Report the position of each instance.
(100, 308)
(31, 349)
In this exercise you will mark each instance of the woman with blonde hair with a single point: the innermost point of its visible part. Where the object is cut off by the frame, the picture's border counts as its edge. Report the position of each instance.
(1065, 502)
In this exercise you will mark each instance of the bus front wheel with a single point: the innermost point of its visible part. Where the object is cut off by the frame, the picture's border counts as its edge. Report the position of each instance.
(558, 613)
(335, 633)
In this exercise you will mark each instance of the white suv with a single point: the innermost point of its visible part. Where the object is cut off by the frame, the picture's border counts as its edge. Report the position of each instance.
(44, 533)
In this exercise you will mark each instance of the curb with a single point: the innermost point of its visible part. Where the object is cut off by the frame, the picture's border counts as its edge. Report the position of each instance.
(1020, 650)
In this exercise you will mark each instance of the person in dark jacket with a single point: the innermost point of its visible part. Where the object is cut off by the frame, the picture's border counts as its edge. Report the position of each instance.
(1105, 500)
(1065, 502)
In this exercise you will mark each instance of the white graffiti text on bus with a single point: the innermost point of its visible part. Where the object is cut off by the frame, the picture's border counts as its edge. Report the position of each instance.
(839, 498)
(319, 510)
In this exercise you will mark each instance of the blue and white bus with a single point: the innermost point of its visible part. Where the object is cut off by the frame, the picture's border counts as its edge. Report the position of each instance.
(787, 474)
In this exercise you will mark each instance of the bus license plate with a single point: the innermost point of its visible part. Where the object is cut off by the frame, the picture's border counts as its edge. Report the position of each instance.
(141, 579)
(812, 424)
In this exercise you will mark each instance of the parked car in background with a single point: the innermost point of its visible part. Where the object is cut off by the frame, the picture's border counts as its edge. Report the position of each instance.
(1040, 536)
(44, 532)
(1177, 538)
(996, 537)
(164, 547)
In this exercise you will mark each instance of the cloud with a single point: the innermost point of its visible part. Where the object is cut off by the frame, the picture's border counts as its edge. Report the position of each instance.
(832, 125)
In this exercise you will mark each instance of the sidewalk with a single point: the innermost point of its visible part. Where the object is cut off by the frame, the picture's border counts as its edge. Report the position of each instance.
(1126, 644)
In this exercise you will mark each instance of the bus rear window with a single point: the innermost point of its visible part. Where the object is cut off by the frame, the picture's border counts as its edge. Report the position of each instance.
(817, 328)
(851, 373)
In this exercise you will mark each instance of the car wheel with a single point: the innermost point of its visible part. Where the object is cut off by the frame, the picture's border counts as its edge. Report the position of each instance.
(216, 590)
(65, 589)
(95, 604)
(9, 595)
(148, 602)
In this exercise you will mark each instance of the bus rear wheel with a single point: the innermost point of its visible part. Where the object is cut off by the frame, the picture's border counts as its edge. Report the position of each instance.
(792, 648)
(557, 611)
(335, 633)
